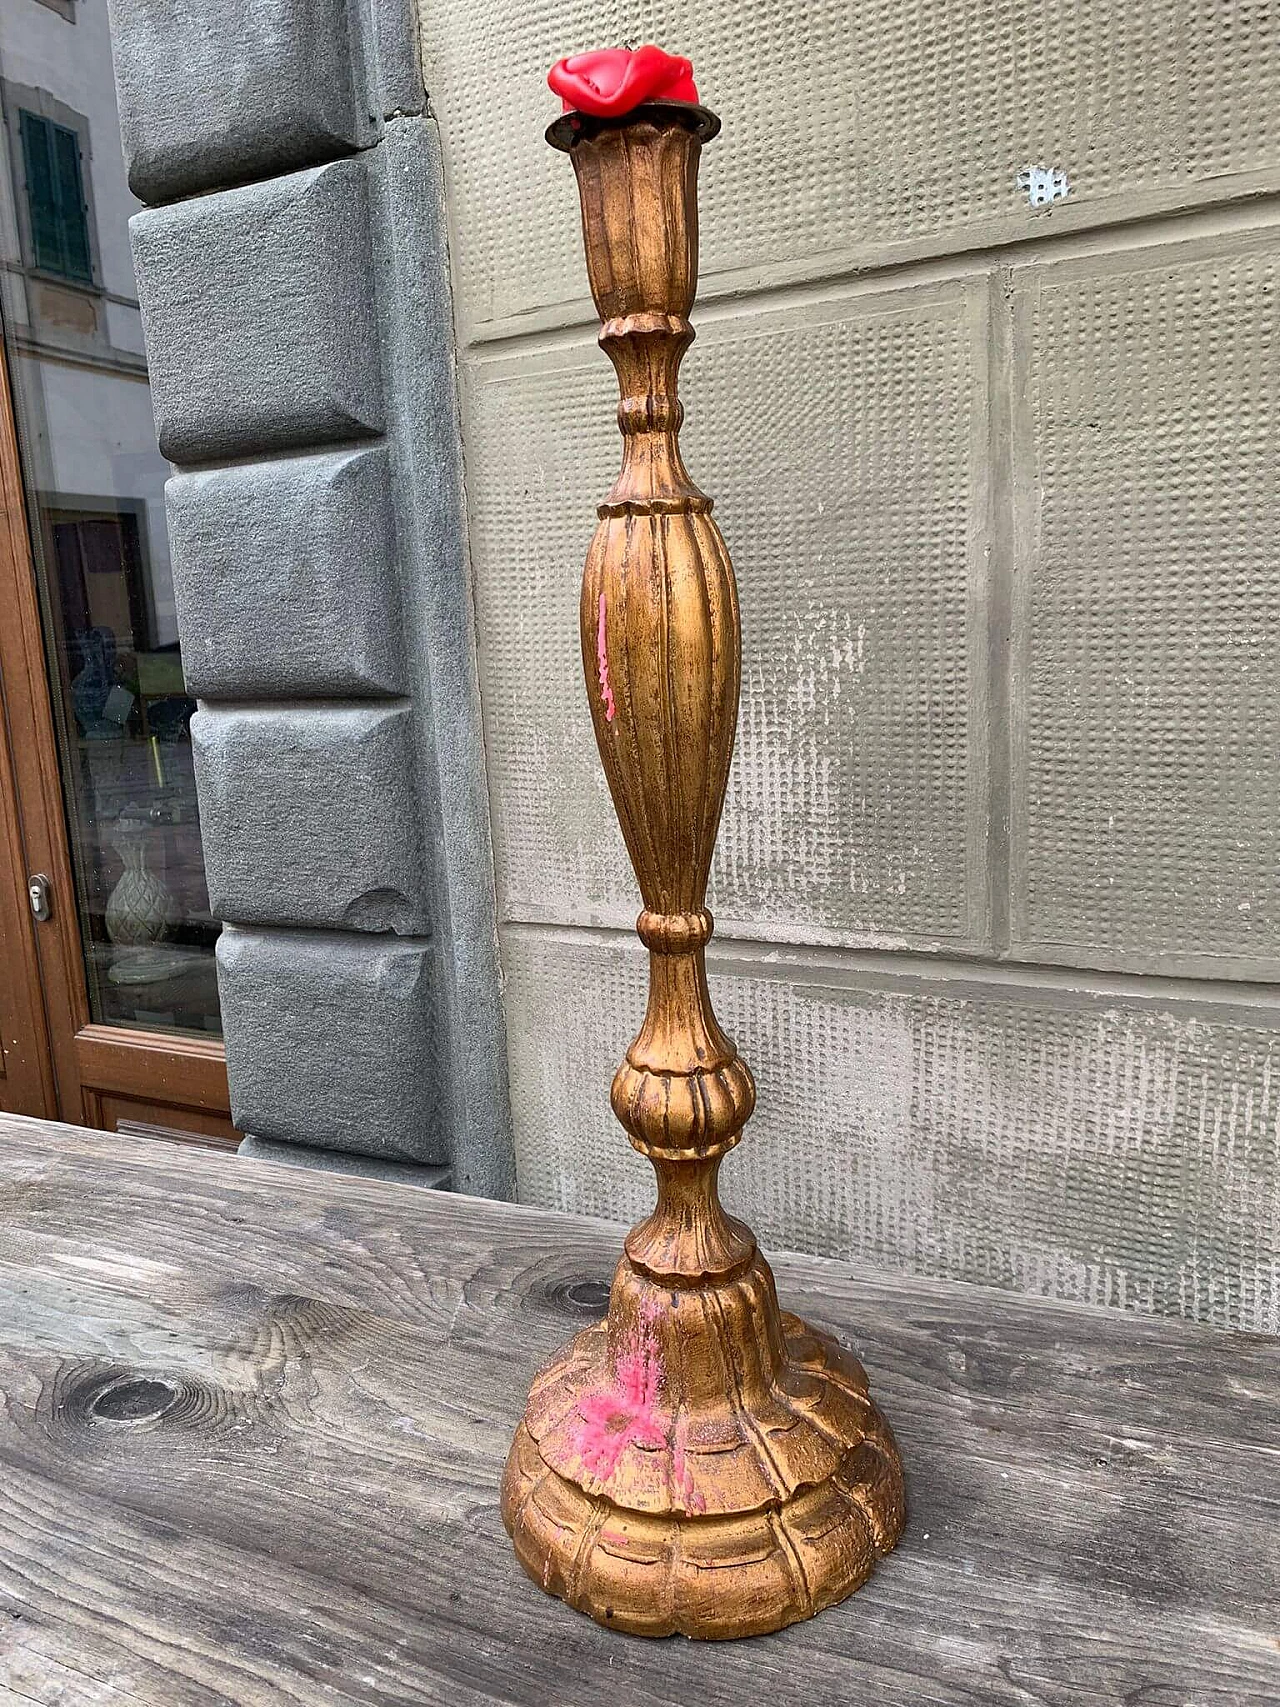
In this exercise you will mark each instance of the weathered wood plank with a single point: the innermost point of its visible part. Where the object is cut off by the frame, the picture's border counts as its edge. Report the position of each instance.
(34, 1675)
(312, 1514)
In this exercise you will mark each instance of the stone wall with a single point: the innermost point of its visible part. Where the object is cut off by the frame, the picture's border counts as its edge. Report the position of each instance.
(296, 305)
(998, 888)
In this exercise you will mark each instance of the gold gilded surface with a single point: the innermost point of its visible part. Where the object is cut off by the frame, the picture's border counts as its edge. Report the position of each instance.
(700, 1461)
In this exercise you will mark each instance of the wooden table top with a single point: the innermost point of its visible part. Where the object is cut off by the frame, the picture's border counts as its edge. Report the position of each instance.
(253, 1420)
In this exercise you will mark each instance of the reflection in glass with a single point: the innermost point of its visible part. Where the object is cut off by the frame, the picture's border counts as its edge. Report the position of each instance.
(95, 484)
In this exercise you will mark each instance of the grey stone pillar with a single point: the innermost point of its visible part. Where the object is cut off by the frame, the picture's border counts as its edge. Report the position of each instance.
(295, 297)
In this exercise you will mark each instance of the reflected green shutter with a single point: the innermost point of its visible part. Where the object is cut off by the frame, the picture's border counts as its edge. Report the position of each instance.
(41, 196)
(55, 198)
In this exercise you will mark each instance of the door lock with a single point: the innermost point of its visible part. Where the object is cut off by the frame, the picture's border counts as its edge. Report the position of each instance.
(38, 893)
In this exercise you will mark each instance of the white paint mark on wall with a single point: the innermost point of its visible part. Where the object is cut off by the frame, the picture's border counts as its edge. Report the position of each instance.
(1043, 184)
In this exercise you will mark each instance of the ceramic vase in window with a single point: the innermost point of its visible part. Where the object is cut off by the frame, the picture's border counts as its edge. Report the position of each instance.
(141, 911)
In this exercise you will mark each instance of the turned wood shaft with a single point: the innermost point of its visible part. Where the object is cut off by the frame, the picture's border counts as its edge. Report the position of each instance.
(661, 652)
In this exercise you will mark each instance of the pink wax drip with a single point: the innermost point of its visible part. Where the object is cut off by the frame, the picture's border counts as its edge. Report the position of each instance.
(602, 663)
(624, 1414)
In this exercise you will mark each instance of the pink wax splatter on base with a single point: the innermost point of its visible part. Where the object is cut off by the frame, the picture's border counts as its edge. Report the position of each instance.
(624, 1414)
(602, 662)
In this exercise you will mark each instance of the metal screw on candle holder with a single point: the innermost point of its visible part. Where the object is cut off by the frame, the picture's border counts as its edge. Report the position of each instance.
(700, 1461)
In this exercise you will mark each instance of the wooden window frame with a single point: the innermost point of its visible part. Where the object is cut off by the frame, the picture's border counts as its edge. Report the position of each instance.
(89, 1061)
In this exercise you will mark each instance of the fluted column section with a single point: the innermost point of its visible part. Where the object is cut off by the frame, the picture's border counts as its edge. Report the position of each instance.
(660, 647)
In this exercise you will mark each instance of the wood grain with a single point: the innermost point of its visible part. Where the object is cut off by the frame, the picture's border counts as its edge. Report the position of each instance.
(305, 1508)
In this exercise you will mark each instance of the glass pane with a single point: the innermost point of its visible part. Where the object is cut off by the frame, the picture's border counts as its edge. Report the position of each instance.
(95, 492)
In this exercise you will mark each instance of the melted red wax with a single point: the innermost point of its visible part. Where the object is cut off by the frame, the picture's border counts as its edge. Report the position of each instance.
(614, 79)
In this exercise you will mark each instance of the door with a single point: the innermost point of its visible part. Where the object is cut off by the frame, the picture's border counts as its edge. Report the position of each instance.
(108, 991)
(26, 1068)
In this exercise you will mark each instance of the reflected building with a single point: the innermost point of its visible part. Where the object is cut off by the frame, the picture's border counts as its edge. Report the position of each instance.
(94, 482)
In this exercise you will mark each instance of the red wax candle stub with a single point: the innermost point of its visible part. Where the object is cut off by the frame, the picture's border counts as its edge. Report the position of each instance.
(613, 80)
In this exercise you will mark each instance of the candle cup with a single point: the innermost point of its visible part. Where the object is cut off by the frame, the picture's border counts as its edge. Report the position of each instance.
(700, 1461)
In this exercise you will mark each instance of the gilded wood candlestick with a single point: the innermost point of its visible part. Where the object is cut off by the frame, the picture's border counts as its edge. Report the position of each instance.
(699, 1461)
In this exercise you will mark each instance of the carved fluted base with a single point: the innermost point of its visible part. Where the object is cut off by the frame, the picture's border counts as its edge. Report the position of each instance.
(652, 1497)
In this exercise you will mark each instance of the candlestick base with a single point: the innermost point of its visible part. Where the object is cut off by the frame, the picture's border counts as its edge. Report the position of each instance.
(702, 1463)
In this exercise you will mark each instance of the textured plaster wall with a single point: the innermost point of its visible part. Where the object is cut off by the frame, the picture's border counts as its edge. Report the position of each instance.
(997, 897)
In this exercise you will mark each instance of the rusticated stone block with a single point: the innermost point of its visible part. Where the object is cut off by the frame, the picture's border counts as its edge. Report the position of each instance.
(210, 95)
(309, 816)
(398, 55)
(281, 274)
(285, 578)
(406, 191)
(426, 1177)
(332, 1041)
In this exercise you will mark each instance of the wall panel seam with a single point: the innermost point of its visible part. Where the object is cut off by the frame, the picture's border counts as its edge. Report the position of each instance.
(766, 958)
